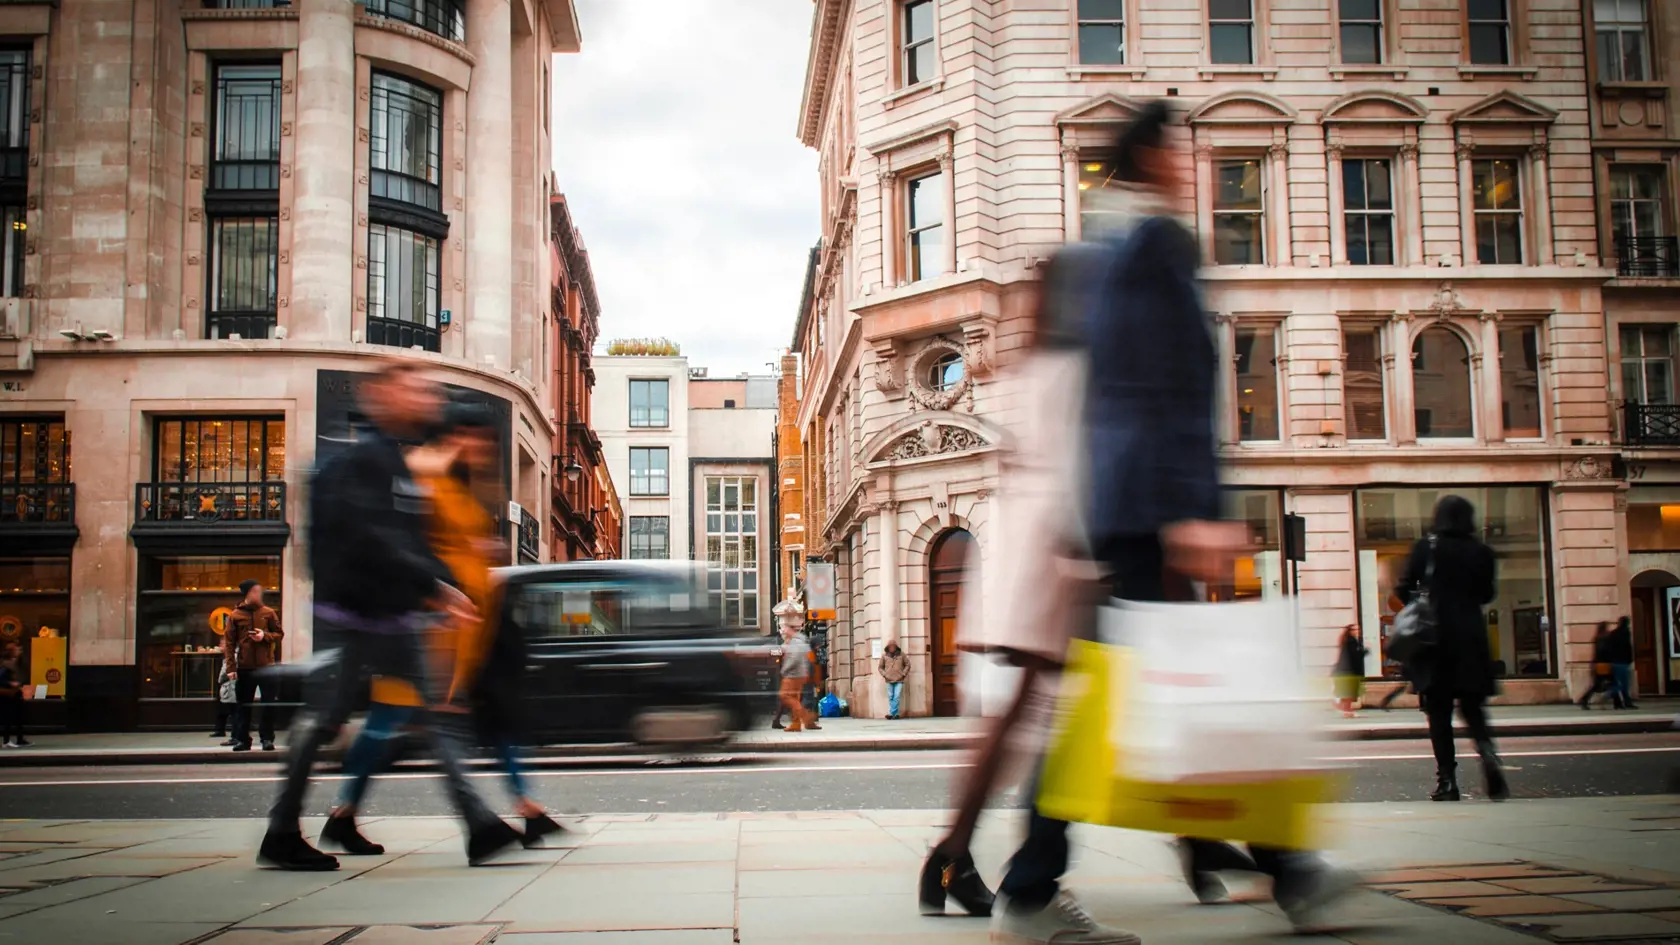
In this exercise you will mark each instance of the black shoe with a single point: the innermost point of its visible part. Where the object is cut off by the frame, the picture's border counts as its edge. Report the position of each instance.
(228, 743)
(1446, 788)
(289, 851)
(1207, 885)
(1493, 772)
(341, 832)
(268, 746)
(23, 742)
(776, 724)
(943, 877)
(536, 828)
(242, 746)
(490, 840)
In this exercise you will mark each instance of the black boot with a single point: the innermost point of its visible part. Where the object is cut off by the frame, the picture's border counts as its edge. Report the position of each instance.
(957, 879)
(341, 832)
(1493, 772)
(1446, 785)
(536, 828)
(287, 850)
(490, 839)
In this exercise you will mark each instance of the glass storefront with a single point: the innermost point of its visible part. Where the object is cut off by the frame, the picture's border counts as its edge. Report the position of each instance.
(34, 602)
(1259, 571)
(1653, 518)
(1388, 521)
(183, 602)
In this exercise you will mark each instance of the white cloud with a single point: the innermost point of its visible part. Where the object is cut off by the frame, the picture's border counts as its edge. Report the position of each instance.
(674, 144)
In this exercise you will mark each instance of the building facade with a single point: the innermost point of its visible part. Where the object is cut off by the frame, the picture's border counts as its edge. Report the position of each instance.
(1396, 207)
(640, 412)
(219, 215)
(732, 493)
(1635, 149)
(790, 469)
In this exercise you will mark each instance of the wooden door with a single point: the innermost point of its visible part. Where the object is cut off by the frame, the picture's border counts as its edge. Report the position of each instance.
(945, 575)
(1646, 625)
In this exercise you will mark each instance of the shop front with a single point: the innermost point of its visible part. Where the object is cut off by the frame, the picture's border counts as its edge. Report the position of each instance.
(38, 535)
(1653, 538)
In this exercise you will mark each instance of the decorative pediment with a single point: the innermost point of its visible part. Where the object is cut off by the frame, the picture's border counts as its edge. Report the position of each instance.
(1105, 109)
(1505, 108)
(1242, 108)
(1375, 107)
(922, 435)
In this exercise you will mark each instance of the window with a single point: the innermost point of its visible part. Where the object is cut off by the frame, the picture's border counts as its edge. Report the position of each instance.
(1094, 218)
(606, 607)
(1362, 31)
(650, 470)
(1519, 380)
(406, 142)
(1368, 206)
(35, 473)
(732, 547)
(650, 537)
(1231, 32)
(1624, 53)
(1639, 221)
(403, 284)
(1648, 364)
(1102, 32)
(1490, 32)
(1257, 384)
(214, 469)
(1441, 391)
(179, 655)
(1239, 214)
(945, 373)
(244, 276)
(14, 167)
(1362, 383)
(921, 55)
(438, 17)
(246, 151)
(242, 202)
(1499, 213)
(650, 403)
(925, 232)
(1257, 571)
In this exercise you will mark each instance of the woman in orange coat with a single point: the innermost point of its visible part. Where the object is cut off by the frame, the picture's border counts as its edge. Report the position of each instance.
(462, 534)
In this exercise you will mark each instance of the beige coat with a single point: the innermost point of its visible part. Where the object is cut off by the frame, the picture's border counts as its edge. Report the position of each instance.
(1026, 596)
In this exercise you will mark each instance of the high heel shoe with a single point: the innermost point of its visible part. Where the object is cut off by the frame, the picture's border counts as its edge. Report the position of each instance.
(955, 878)
(1446, 788)
(538, 827)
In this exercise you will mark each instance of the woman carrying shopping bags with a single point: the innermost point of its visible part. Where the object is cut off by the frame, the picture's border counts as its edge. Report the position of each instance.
(1457, 570)
(1349, 671)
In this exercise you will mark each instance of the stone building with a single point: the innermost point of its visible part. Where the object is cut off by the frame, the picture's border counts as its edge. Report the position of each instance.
(790, 468)
(218, 215)
(732, 492)
(1395, 202)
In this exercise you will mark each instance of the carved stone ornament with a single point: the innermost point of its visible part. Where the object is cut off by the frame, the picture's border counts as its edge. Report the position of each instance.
(886, 376)
(920, 380)
(287, 86)
(1409, 150)
(285, 172)
(197, 129)
(932, 439)
(198, 88)
(196, 172)
(195, 215)
(285, 129)
(362, 135)
(1588, 467)
(1447, 302)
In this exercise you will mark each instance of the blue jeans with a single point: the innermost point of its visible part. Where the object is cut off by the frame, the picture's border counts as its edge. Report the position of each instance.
(1621, 682)
(895, 696)
(371, 751)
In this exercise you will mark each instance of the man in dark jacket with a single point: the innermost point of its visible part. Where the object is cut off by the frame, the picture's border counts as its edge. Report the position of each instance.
(1618, 652)
(378, 588)
(251, 642)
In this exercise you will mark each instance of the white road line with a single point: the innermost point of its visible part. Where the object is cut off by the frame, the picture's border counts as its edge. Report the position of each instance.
(749, 769)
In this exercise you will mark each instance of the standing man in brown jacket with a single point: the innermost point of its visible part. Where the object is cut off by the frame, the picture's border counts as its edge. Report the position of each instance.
(252, 642)
(895, 668)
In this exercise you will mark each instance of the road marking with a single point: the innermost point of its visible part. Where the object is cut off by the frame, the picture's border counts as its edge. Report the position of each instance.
(745, 769)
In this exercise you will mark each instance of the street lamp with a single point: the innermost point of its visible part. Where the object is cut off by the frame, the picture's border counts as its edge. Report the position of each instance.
(573, 471)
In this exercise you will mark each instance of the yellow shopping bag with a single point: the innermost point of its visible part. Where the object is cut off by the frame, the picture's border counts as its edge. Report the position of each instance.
(1085, 776)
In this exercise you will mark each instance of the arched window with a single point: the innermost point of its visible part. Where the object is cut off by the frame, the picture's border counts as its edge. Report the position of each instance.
(1441, 388)
(945, 373)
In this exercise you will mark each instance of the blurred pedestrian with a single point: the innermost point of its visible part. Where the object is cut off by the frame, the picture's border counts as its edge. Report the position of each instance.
(1458, 667)
(1602, 679)
(250, 643)
(1349, 670)
(895, 668)
(379, 588)
(11, 696)
(483, 665)
(796, 669)
(1618, 652)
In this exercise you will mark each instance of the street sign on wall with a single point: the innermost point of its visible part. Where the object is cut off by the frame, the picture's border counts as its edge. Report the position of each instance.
(819, 590)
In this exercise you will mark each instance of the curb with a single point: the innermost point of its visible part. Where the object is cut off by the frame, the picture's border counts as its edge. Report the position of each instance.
(557, 755)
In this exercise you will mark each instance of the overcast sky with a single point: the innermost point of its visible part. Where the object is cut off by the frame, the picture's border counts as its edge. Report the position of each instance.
(674, 144)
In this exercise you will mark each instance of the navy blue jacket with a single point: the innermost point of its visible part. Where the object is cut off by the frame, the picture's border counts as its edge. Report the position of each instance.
(1149, 408)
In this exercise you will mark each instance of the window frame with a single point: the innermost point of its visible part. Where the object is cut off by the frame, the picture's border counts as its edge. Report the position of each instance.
(402, 332)
(912, 232)
(650, 423)
(904, 47)
(410, 190)
(248, 319)
(1520, 168)
(1539, 330)
(647, 476)
(716, 526)
(1470, 372)
(650, 531)
(1125, 24)
(1516, 46)
(1624, 359)
(1279, 359)
(1645, 28)
(1261, 161)
(260, 421)
(1366, 214)
(1381, 335)
(228, 173)
(1382, 22)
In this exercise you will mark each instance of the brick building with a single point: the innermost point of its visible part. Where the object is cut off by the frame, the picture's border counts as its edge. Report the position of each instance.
(1396, 207)
(217, 214)
(790, 467)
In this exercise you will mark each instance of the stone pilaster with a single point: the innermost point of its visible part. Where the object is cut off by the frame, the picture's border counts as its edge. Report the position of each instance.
(489, 325)
(323, 246)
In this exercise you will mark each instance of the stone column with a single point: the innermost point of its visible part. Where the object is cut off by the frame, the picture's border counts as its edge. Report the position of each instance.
(887, 188)
(886, 524)
(1540, 172)
(1225, 340)
(323, 221)
(1411, 184)
(947, 173)
(1204, 200)
(1338, 223)
(1466, 205)
(1405, 416)
(489, 324)
(1283, 239)
(1072, 226)
(1493, 414)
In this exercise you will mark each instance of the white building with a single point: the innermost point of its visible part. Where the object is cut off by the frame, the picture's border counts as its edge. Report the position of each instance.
(732, 475)
(640, 411)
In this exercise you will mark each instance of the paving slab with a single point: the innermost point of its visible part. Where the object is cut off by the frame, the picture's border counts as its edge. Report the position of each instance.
(322, 936)
(643, 937)
(1597, 928)
(36, 929)
(412, 935)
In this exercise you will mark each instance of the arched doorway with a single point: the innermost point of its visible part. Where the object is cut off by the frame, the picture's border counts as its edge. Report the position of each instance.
(1650, 621)
(947, 562)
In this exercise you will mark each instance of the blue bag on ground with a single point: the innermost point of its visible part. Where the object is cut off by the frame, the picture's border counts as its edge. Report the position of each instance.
(829, 706)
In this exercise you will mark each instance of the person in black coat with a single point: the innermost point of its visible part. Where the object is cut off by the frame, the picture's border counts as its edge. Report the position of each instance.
(1459, 666)
(1618, 652)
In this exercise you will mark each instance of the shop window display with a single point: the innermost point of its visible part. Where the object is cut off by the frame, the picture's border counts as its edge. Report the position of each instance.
(1512, 520)
(34, 602)
(184, 603)
(1259, 570)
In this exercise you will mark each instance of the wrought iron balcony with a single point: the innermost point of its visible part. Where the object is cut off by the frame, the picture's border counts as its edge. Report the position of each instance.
(530, 539)
(244, 324)
(210, 504)
(1650, 257)
(438, 17)
(400, 334)
(37, 503)
(1651, 424)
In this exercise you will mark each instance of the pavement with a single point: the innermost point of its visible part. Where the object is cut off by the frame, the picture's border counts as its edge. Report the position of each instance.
(1475, 873)
(848, 734)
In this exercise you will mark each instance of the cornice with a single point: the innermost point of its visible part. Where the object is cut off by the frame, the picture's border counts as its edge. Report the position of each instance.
(826, 17)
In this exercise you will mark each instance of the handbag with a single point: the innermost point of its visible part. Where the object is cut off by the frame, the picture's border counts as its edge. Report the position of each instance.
(228, 691)
(1417, 626)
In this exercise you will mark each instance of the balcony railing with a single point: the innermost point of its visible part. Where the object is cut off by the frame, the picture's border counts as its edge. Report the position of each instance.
(438, 17)
(1651, 424)
(530, 539)
(37, 503)
(1651, 257)
(244, 324)
(401, 334)
(207, 504)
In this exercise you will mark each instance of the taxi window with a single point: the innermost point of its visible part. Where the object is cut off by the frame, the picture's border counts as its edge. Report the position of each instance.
(602, 608)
